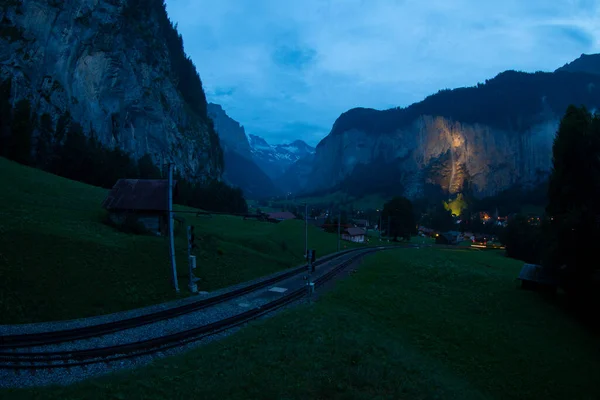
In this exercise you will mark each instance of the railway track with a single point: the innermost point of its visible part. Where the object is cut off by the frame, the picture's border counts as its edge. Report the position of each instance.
(67, 335)
(15, 358)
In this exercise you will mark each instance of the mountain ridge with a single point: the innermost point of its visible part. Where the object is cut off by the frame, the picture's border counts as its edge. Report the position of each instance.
(240, 169)
(488, 137)
(276, 159)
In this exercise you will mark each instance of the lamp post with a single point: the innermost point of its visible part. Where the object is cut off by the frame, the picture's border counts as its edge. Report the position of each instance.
(305, 230)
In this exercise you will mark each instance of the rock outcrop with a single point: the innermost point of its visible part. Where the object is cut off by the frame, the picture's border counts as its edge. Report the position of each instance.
(231, 133)
(240, 170)
(118, 67)
(487, 137)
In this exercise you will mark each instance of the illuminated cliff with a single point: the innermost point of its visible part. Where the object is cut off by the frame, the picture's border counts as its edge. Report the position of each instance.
(491, 136)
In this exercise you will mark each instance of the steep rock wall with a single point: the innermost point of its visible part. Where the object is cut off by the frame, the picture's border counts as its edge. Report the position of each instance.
(112, 71)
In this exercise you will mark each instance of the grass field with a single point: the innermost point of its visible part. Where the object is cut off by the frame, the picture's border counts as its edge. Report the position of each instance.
(410, 324)
(59, 261)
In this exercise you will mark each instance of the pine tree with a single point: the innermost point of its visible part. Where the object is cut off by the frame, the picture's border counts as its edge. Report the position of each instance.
(574, 198)
(44, 143)
(21, 133)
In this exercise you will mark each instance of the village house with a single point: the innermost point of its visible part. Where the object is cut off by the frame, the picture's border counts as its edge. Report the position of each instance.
(451, 237)
(356, 235)
(361, 223)
(143, 201)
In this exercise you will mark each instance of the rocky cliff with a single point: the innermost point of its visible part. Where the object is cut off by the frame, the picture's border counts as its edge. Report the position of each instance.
(231, 134)
(487, 137)
(240, 169)
(118, 67)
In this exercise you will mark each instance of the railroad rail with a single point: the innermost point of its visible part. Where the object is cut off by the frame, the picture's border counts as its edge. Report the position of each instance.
(27, 360)
(90, 331)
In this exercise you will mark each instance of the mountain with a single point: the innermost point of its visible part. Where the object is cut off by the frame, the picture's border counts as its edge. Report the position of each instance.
(118, 69)
(276, 159)
(231, 133)
(240, 169)
(484, 138)
(296, 175)
(589, 63)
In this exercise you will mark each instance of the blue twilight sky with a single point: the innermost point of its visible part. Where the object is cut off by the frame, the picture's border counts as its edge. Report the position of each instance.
(286, 69)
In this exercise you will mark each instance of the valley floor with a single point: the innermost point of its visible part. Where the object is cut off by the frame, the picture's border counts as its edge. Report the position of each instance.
(413, 323)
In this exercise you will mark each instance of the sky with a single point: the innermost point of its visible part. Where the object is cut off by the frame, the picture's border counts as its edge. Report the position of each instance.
(286, 69)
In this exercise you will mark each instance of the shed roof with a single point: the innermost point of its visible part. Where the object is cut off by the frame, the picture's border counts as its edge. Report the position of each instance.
(535, 273)
(282, 215)
(139, 194)
(355, 231)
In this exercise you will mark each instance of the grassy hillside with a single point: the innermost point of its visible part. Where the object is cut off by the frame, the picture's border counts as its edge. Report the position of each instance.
(59, 261)
(410, 324)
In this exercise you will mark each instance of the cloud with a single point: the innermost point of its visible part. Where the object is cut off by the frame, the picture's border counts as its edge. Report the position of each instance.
(293, 57)
(288, 69)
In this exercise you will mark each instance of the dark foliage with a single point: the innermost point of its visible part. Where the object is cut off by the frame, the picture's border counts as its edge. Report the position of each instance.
(438, 218)
(399, 219)
(67, 151)
(510, 201)
(523, 240)
(574, 196)
(147, 169)
(21, 131)
(5, 116)
(44, 142)
(212, 196)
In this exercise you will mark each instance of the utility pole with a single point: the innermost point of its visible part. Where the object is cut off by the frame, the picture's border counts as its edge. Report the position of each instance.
(309, 283)
(339, 222)
(305, 229)
(388, 230)
(171, 238)
(192, 260)
(379, 227)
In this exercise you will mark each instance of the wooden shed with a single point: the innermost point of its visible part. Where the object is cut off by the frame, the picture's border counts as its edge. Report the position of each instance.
(144, 201)
(535, 277)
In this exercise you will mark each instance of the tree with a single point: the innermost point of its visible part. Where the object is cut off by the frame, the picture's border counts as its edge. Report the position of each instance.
(43, 146)
(21, 133)
(5, 116)
(71, 158)
(402, 221)
(523, 240)
(147, 169)
(439, 218)
(573, 200)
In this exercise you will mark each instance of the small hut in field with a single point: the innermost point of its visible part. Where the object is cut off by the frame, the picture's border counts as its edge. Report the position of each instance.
(140, 201)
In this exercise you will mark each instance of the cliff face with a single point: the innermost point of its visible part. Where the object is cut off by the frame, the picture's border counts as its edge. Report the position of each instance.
(438, 151)
(240, 169)
(231, 133)
(112, 65)
(488, 137)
